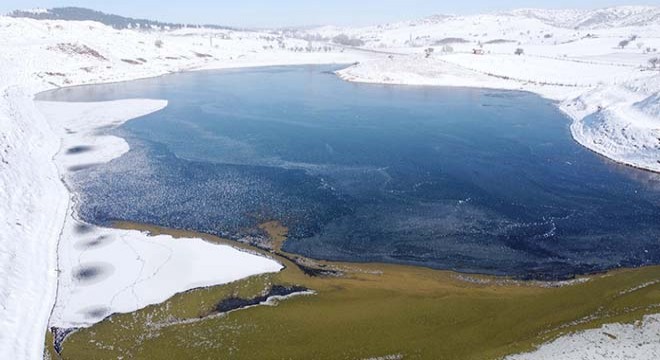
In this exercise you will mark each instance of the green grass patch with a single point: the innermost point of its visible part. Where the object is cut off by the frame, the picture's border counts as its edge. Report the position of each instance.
(372, 310)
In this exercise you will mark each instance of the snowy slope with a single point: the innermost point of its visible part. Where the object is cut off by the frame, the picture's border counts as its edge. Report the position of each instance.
(613, 17)
(621, 122)
(638, 341)
(526, 27)
(33, 203)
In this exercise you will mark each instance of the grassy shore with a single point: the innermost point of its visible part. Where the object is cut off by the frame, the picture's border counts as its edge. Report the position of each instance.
(363, 311)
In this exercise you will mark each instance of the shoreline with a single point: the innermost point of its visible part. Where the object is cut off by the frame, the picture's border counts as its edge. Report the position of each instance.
(453, 75)
(561, 104)
(210, 68)
(71, 211)
(338, 73)
(373, 274)
(28, 87)
(99, 251)
(467, 277)
(462, 276)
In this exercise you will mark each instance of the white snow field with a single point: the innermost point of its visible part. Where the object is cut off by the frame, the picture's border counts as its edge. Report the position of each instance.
(33, 204)
(572, 57)
(639, 341)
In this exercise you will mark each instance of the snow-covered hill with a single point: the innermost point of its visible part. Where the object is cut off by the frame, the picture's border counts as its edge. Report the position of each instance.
(621, 16)
(525, 27)
(115, 21)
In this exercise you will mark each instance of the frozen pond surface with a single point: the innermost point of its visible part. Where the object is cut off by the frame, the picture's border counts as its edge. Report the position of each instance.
(471, 180)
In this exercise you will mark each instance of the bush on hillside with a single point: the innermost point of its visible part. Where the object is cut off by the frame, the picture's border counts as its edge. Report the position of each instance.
(343, 39)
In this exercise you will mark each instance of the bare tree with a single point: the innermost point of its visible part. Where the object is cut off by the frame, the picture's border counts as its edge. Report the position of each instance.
(624, 43)
(654, 62)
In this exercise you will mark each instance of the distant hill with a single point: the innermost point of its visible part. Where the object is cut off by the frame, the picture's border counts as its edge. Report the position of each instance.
(620, 16)
(116, 21)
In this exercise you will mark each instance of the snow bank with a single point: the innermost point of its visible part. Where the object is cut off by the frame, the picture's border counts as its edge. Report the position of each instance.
(417, 70)
(106, 271)
(551, 71)
(650, 106)
(620, 124)
(81, 125)
(33, 204)
(640, 341)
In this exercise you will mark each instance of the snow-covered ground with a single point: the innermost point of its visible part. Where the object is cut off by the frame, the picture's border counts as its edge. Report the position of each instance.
(33, 204)
(639, 341)
(572, 57)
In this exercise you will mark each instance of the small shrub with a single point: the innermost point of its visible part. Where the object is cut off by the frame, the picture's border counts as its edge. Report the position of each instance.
(498, 41)
(654, 62)
(343, 39)
(202, 55)
(79, 49)
(451, 40)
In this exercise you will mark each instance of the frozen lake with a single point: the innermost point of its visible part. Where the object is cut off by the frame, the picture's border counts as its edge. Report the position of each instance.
(471, 180)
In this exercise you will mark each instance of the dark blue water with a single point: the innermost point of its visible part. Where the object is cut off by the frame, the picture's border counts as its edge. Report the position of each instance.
(471, 180)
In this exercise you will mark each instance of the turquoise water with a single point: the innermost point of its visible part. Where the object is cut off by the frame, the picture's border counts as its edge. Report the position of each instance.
(471, 180)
